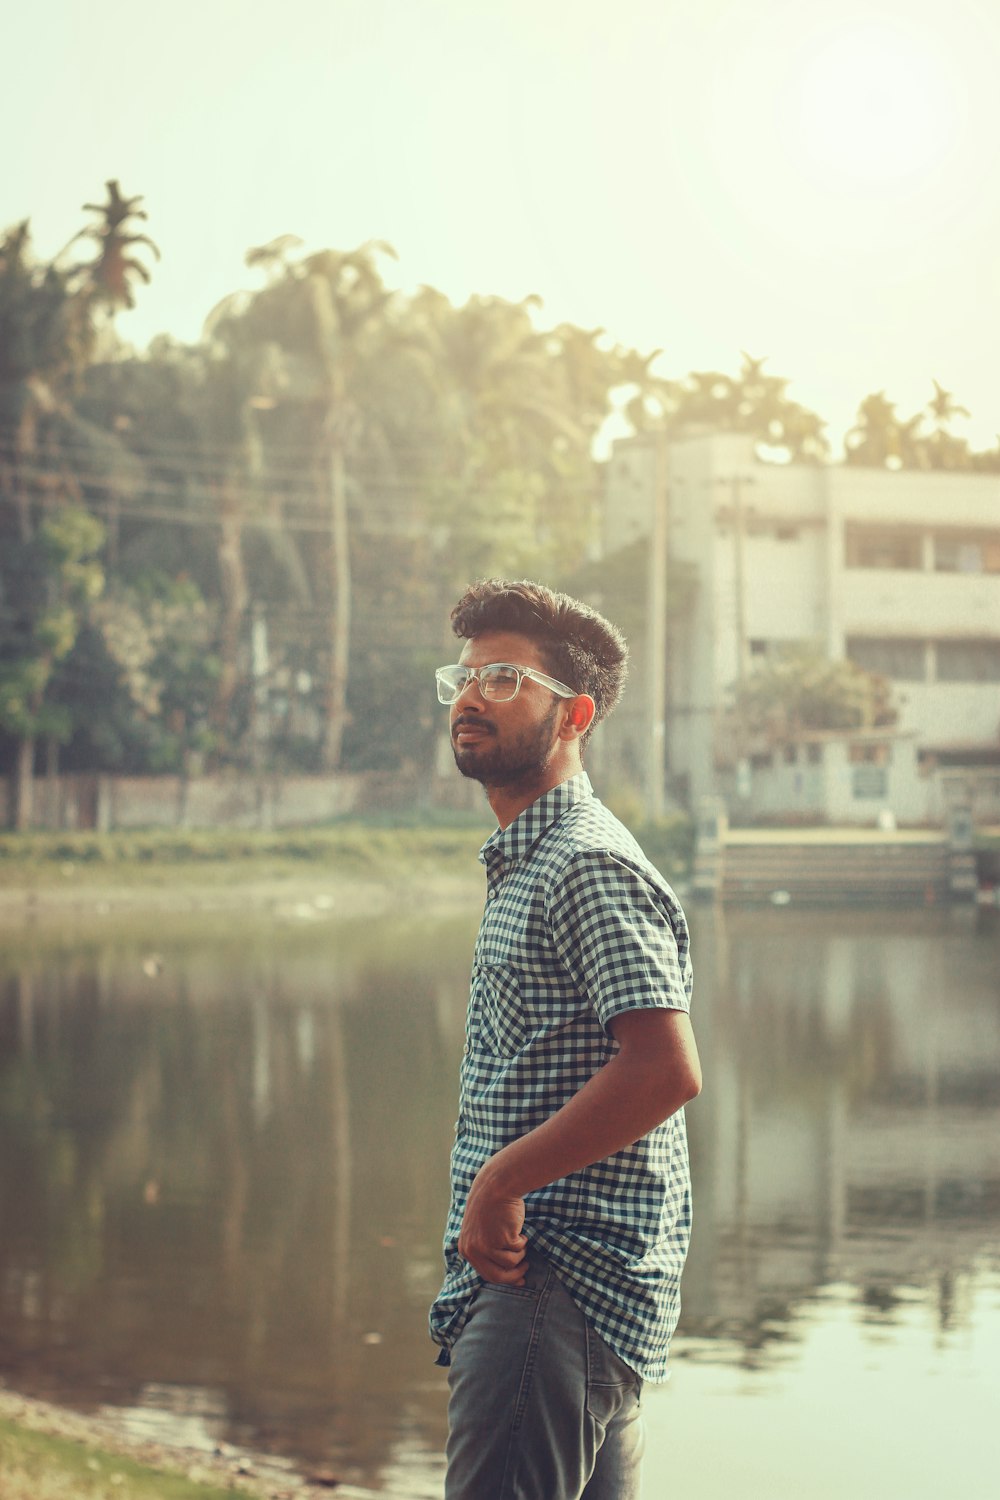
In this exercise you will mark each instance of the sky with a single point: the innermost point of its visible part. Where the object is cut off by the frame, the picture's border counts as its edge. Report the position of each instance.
(813, 183)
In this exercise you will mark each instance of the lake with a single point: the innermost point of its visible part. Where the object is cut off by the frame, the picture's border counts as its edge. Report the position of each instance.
(223, 1181)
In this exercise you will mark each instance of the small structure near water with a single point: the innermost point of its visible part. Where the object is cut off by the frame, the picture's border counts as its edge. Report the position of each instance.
(827, 866)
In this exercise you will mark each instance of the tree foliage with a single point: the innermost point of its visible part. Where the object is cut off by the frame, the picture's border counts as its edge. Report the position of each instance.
(108, 278)
(53, 579)
(752, 401)
(800, 689)
(244, 547)
(882, 439)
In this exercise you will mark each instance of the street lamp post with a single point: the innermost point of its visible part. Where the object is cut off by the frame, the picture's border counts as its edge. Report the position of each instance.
(656, 635)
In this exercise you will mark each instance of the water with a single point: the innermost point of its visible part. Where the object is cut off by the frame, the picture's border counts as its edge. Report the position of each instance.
(223, 1159)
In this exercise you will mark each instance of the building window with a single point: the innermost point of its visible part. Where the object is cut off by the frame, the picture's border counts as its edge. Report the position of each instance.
(763, 761)
(791, 753)
(869, 753)
(965, 552)
(968, 661)
(786, 533)
(880, 547)
(757, 647)
(900, 659)
(814, 755)
(869, 783)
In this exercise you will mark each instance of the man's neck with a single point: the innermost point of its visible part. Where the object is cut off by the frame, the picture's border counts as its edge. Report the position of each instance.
(509, 802)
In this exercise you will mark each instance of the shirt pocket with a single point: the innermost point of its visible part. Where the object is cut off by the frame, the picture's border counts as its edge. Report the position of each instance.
(503, 1023)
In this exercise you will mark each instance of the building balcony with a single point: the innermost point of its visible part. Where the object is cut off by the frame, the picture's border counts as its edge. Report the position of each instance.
(904, 602)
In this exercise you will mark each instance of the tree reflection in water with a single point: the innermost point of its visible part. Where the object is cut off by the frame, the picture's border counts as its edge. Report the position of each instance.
(223, 1157)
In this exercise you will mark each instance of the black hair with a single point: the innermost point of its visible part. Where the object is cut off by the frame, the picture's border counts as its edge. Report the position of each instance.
(580, 647)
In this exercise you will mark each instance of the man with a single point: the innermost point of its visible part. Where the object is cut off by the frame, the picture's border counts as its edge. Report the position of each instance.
(570, 1212)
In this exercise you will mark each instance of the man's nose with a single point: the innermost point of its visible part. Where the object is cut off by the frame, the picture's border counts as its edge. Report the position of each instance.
(470, 696)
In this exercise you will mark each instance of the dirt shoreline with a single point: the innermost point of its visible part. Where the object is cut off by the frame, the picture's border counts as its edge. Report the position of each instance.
(260, 1475)
(298, 899)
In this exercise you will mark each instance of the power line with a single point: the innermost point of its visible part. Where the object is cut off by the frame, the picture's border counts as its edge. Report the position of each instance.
(306, 482)
(125, 511)
(217, 452)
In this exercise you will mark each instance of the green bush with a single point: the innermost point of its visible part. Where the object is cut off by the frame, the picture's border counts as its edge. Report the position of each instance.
(669, 843)
(358, 846)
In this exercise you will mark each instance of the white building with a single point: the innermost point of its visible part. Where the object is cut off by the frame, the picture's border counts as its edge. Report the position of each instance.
(900, 572)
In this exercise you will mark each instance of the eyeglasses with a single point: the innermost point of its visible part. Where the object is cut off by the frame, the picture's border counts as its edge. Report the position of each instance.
(499, 682)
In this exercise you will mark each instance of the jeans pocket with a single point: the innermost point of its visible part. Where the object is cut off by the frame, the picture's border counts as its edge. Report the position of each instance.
(536, 1274)
(528, 1292)
(610, 1381)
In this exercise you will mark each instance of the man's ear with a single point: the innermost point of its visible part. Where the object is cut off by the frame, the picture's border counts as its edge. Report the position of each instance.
(579, 717)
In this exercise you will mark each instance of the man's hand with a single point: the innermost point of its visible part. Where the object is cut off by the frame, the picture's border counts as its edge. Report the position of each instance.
(656, 1071)
(491, 1237)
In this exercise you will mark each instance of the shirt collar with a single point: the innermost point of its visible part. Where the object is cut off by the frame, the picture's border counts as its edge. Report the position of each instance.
(513, 843)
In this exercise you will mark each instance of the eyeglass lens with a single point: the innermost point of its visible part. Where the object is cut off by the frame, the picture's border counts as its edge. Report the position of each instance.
(498, 683)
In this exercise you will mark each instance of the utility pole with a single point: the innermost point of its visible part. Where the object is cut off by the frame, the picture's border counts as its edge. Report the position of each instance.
(656, 634)
(736, 483)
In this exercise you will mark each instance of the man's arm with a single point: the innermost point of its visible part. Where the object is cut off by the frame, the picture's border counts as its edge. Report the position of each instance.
(655, 1072)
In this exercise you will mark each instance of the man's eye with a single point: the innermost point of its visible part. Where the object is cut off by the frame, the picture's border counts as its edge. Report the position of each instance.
(499, 679)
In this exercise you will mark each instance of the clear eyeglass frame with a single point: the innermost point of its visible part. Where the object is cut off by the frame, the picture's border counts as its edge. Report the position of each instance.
(494, 680)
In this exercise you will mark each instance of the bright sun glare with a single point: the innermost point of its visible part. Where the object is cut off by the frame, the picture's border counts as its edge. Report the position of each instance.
(873, 104)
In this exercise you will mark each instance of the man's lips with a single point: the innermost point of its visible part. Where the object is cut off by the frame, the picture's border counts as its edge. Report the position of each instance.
(463, 730)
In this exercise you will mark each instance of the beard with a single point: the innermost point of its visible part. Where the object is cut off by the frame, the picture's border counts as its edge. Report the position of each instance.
(518, 762)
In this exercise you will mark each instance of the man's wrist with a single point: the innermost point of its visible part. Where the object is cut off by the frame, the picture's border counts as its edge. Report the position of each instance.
(496, 1176)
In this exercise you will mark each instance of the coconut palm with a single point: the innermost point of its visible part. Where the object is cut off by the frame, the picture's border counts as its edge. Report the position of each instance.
(944, 448)
(752, 401)
(320, 322)
(108, 278)
(518, 427)
(51, 460)
(880, 439)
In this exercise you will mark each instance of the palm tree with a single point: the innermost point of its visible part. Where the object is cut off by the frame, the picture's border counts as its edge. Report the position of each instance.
(49, 456)
(317, 324)
(41, 343)
(647, 406)
(108, 278)
(517, 428)
(882, 440)
(346, 297)
(945, 449)
(751, 401)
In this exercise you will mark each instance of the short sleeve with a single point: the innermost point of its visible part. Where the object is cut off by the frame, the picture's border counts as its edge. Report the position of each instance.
(622, 937)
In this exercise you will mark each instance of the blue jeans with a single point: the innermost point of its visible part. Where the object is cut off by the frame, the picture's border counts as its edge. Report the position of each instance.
(540, 1407)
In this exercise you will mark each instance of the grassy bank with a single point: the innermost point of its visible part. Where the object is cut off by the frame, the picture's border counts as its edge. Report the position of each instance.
(61, 864)
(52, 1453)
(158, 855)
(41, 1466)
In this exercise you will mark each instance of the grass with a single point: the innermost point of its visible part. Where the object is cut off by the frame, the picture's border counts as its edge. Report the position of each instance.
(37, 1466)
(228, 856)
(221, 857)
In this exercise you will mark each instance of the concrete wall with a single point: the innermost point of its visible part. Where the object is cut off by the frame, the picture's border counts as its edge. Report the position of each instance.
(901, 602)
(629, 480)
(229, 802)
(124, 802)
(835, 793)
(839, 790)
(851, 795)
(942, 713)
(908, 498)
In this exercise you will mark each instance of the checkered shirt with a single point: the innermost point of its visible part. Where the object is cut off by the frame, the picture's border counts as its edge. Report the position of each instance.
(578, 927)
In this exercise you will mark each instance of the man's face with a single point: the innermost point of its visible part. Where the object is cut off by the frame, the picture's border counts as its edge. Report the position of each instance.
(504, 744)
